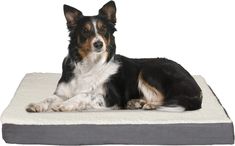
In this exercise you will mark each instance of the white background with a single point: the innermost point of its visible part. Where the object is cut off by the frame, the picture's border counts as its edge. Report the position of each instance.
(198, 34)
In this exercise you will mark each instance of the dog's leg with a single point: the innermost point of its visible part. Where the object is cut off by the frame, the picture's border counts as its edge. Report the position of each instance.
(81, 102)
(153, 97)
(44, 105)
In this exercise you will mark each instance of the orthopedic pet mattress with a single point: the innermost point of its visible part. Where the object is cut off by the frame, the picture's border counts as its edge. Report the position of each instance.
(209, 125)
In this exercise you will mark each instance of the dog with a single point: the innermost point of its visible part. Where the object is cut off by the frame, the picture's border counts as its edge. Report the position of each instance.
(95, 78)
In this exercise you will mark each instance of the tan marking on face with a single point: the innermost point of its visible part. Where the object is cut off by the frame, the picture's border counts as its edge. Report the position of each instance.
(85, 48)
(99, 24)
(88, 26)
(105, 55)
(106, 42)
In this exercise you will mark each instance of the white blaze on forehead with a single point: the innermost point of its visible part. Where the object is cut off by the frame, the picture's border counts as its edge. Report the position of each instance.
(97, 35)
(95, 26)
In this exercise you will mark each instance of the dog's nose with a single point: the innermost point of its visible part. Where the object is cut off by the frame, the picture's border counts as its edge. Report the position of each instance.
(98, 45)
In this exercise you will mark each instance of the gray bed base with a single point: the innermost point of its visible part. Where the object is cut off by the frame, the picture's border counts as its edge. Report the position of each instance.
(159, 134)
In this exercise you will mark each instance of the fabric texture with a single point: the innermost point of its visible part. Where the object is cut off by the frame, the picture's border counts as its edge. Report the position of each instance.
(145, 134)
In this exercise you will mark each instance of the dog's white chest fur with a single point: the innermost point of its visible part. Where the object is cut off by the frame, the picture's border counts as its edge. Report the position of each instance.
(88, 79)
(92, 81)
(85, 91)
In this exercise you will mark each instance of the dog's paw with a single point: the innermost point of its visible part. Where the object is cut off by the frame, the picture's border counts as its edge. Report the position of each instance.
(35, 107)
(55, 107)
(63, 107)
(135, 104)
(150, 106)
(66, 108)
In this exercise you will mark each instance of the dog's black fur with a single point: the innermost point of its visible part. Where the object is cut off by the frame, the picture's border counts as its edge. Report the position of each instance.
(176, 85)
(171, 79)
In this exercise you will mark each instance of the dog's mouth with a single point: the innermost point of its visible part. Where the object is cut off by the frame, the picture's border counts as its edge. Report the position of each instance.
(99, 50)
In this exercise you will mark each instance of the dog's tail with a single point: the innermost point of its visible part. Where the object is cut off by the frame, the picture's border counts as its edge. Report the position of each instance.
(175, 108)
(182, 103)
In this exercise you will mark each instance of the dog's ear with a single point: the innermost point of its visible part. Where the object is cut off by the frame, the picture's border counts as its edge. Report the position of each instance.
(72, 15)
(109, 11)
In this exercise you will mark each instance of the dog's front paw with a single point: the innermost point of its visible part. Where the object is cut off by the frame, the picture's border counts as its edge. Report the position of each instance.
(63, 107)
(55, 107)
(35, 107)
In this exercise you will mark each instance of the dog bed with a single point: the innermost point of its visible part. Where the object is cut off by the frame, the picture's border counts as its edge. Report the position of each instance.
(209, 125)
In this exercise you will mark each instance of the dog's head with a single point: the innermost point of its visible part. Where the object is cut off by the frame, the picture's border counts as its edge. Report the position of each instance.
(91, 37)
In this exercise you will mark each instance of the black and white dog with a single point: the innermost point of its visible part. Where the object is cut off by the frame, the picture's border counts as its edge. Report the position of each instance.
(94, 77)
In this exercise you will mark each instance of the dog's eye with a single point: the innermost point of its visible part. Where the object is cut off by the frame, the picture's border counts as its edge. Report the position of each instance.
(85, 31)
(103, 29)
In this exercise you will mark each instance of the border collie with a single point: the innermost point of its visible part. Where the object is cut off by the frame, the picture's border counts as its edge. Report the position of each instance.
(94, 77)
